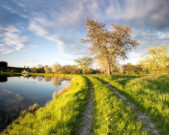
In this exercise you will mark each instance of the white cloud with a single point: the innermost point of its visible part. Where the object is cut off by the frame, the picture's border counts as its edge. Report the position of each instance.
(5, 51)
(133, 58)
(130, 9)
(39, 30)
(61, 22)
(153, 13)
(164, 36)
(11, 40)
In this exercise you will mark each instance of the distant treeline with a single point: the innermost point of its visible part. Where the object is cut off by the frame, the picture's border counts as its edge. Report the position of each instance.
(4, 68)
(66, 69)
(12, 69)
(3, 64)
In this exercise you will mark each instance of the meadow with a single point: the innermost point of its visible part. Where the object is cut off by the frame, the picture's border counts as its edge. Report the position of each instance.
(111, 115)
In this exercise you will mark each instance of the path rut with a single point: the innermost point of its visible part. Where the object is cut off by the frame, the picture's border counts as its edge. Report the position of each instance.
(146, 120)
(86, 126)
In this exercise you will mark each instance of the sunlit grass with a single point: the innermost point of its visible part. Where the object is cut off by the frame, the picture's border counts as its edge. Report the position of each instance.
(111, 115)
(150, 94)
(61, 116)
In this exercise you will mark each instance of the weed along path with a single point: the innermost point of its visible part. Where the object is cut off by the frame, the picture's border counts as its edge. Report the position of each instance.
(87, 117)
(145, 119)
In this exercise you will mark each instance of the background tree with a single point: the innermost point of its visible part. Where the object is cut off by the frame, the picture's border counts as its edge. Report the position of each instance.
(3, 64)
(33, 70)
(129, 68)
(56, 81)
(158, 59)
(108, 46)
(40, 68)
(132, 69)
(56, 67)
(47, 69)
(70, 69)
(84, 63)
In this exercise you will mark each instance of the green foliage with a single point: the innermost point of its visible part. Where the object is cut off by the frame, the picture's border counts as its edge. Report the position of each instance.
(56, 67)
(33, 70)
(84, 63)
(132, 69)
(158, 59)
(47, 69)
(60, 117)
(70, 69)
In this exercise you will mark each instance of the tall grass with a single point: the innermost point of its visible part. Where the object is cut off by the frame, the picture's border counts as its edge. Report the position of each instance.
(111, 115)
(59, 117)
(150, 94)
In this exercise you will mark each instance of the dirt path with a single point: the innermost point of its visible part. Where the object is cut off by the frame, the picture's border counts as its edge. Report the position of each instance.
(146, 120)
(86, 126)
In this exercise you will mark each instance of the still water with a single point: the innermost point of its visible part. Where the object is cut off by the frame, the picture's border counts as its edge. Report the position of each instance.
(18, 93)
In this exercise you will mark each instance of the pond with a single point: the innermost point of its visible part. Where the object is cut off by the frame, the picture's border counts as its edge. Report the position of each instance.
(18, 93)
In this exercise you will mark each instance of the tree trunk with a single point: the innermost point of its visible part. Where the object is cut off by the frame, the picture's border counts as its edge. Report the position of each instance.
(84, 71)
(109, 70)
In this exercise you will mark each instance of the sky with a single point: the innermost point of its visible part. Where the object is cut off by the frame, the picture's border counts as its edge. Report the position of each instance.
(43, 32)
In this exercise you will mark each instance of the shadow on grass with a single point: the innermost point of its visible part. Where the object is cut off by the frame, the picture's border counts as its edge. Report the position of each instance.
(157, 117)
(124, 79)
(161, 84)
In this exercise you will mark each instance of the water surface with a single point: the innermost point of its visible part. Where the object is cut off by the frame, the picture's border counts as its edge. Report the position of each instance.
(18, 93)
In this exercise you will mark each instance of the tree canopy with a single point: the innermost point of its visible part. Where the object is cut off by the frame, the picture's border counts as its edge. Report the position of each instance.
(47, 69)
(3, 64)
(157, 59)
(108, 46)
(84, 63)
(55, 67)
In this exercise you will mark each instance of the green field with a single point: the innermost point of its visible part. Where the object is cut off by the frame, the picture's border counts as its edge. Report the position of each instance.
(111, 114)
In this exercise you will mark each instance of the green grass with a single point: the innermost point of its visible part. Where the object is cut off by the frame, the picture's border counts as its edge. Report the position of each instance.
(150, 94)
(61, 116)
(111, 115)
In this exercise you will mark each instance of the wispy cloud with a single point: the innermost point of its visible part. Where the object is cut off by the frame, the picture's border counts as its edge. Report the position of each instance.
(133, 58)
(11, 40)
(151, 13)
(164, 36)
(39, 30)
(62, 22)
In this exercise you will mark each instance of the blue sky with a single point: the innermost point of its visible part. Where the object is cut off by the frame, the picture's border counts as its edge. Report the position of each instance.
(36, 32)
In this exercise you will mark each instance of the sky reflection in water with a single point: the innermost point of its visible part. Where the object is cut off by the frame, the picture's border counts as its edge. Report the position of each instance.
(18, 93)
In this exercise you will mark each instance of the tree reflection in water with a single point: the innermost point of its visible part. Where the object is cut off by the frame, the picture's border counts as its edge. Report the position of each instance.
(17, 95)
(56, 81)
(47, 78)
(40, 78)
(33, 77)
(11, 104)
(3, 78)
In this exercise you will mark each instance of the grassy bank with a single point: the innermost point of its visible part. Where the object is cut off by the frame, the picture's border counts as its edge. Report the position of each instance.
(60, 116)
(150, 94)
(111, 115)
